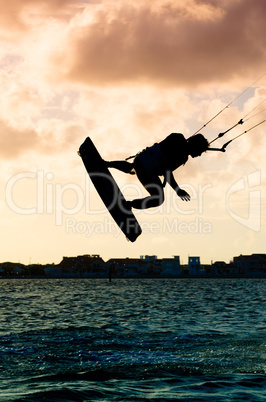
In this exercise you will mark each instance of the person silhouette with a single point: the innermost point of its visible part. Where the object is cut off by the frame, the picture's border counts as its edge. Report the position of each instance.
(161, 159)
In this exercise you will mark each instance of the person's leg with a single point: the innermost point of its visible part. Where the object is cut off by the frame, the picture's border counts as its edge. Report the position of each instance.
(154, 186)
(124, 166)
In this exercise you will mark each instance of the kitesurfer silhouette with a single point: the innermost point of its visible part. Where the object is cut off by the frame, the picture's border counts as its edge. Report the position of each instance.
(161, 159)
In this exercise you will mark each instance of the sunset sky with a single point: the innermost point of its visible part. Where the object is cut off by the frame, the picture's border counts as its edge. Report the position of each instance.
(128, 74)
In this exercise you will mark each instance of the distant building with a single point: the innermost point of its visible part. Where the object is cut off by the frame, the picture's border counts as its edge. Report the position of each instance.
(148, 257)
(53, 271)
(123, 266)
(10, 269)
(194, 267)
(254, 264)
(171, 266)
(82, 266)
(220, 268)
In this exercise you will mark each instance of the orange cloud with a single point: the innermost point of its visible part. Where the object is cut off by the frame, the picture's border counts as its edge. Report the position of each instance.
(114, 43)
(17, 14)
(50, 137)
(14, 141)
(168, 44)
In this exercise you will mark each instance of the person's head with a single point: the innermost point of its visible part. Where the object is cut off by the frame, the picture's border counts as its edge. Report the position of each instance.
(197, 144)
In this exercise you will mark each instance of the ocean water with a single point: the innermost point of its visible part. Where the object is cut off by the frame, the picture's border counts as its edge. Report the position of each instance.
(132, 340)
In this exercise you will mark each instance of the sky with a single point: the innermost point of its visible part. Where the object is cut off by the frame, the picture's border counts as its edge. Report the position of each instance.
(127, 74)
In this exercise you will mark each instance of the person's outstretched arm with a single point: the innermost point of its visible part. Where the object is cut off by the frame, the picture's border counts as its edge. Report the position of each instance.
(181, 193)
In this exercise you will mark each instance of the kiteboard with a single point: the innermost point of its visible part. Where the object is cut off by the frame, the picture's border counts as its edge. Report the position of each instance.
(108, 190)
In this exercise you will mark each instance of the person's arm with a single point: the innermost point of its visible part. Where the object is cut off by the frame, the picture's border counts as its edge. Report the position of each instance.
(181, 193)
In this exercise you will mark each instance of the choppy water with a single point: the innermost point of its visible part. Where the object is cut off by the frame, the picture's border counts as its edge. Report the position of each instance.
(89, 340)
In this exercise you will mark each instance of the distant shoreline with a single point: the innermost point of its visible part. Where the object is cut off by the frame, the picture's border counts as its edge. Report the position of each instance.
(263, 276)
(146, 267)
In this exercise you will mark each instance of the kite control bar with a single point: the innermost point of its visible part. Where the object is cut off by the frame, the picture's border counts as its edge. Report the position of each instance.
(216, 149)
(228, 142)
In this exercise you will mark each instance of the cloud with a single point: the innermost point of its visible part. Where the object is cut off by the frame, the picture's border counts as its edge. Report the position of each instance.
(14, 142)
(116, 44)
(48, 137)
(17, 15)
(202, 42)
